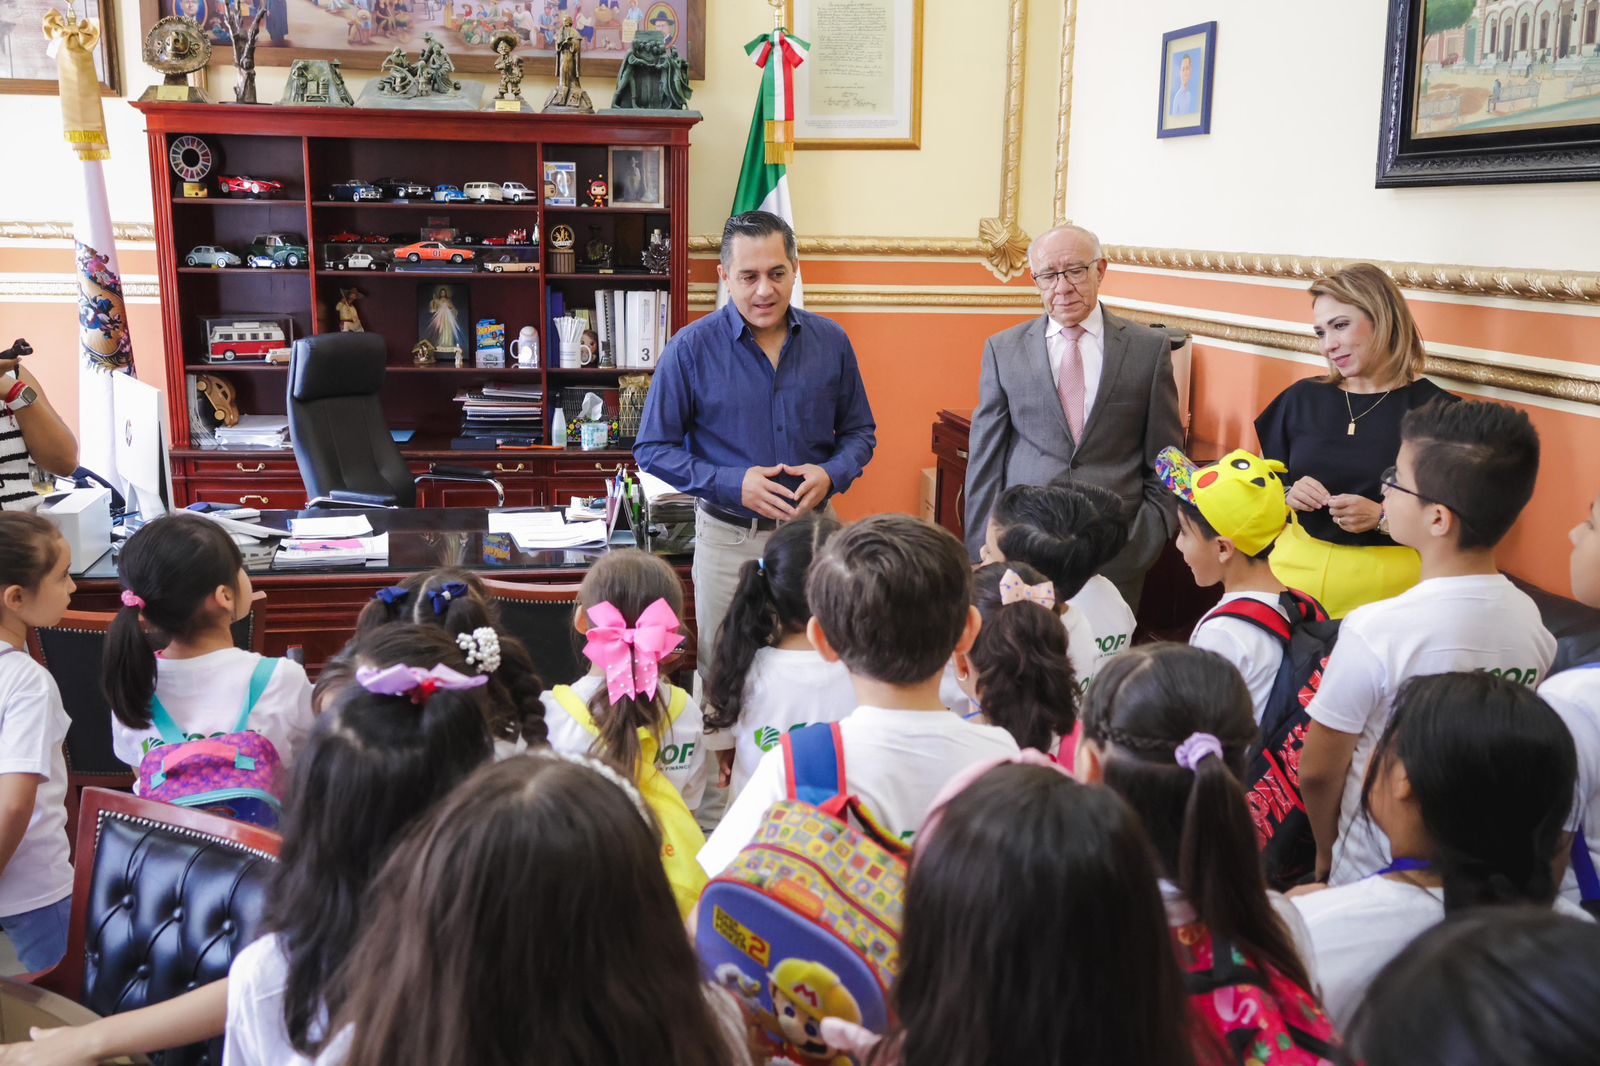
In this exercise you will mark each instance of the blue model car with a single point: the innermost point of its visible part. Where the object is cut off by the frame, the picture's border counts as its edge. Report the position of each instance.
(448, 194)
(356, 190)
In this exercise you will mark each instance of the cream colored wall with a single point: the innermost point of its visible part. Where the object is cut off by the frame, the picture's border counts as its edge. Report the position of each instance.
(1289, 164)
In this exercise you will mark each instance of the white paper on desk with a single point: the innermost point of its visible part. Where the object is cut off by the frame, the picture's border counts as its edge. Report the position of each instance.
(658, 491)
(568, 535)
(522, 521)
(333, 528)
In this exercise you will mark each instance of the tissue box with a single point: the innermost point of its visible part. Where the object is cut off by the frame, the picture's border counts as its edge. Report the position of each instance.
(84, 518)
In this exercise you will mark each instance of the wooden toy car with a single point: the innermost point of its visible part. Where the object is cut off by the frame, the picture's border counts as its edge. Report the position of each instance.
(403, 189)
(283, 249)
(483, 192)
(448, 194)
(435, 251)
(210, 255)
(357, 261)
(517, 193)
(244, 340)
(230, 184)
(356, 190)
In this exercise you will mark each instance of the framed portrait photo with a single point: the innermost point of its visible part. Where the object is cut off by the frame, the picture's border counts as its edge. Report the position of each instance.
(1187, 58)
(25, 64)
(1490, 92)
(560, 184)
(861, 84)
(636, 179)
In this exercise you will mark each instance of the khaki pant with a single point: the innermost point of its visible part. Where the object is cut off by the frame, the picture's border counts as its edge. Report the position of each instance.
(720, 550)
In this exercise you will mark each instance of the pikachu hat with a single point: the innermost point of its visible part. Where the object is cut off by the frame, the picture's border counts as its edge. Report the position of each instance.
(1240, 495)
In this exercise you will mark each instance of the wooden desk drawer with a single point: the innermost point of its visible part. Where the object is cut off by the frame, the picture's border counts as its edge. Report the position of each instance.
(262, 495)
(581, 464)
(276, 466)
(950, 443)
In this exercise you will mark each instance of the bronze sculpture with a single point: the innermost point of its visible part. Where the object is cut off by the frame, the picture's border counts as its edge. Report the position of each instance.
(569, 95)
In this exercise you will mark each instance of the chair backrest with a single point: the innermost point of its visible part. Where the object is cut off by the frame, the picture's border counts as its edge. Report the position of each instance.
(336, 422)
(541, 617)
(163, 899)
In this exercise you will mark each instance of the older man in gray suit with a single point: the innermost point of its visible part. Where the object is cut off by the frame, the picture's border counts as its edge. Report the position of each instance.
(1077, 393)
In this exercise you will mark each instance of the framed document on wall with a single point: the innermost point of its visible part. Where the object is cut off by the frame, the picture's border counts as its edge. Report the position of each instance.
(861, 86)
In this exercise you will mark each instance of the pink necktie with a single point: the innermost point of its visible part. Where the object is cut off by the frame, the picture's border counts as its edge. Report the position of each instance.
(1069, 382)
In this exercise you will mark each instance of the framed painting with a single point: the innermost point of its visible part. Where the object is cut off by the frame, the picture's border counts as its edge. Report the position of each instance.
(861, 85)
(1183, 107)
(636, 177)
(25, 66)
(360, 33)
(1480, 92)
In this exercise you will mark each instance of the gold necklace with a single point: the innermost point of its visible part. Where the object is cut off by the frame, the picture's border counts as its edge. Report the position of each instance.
(1350, 430)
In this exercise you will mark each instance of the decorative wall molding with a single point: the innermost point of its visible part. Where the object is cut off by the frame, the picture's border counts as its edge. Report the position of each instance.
(54, 288)
(62, 231)
(1069, 36)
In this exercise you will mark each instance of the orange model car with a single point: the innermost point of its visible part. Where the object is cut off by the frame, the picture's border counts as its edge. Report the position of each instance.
(433, 250)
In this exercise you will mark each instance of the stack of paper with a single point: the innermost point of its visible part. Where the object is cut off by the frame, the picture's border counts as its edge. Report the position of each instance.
(330, 527)
(536, 530)
(658, 492)
(255, 431)
(297, 552)
(502, 409)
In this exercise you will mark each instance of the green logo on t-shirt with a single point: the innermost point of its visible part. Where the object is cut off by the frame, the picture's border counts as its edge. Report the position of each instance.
(1517, 675)
(767, 738)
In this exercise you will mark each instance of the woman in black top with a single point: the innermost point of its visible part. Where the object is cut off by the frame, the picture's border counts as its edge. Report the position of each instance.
(1338, 434)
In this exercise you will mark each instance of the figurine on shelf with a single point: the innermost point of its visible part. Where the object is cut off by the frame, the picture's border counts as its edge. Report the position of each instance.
(316, 81)
(597, 252)
(504, 42)
(242, 31)
(349, 318)
(658, 254)
(599, 192)
(653, 77)
(396, 75)
(426, 84)
(568, 95)
(435, 68)
(423, 354)
(176, 47)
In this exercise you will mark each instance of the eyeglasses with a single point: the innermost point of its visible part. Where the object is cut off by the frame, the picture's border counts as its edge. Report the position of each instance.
(1075, 273)
(1387, 480)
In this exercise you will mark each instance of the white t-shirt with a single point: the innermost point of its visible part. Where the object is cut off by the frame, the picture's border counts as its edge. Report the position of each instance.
(682, 756)
(1357, 928)
(33, 725)
(205, 695)
(1082, 652)
(257, 982)
(1256, 653)
(1575, 696)
(784, 690)
(895, 761)
(1110, 618)
(1181, 912)
(1442, 625)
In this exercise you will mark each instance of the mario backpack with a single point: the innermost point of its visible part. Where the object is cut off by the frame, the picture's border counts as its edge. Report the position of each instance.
(805, 923)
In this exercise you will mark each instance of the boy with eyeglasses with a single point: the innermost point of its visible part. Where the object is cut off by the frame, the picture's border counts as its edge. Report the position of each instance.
(1464, 473)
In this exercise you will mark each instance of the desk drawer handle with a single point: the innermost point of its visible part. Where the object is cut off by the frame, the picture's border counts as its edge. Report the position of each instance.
(252, 470)
(504, 469)
(960, 454)
(246, 499)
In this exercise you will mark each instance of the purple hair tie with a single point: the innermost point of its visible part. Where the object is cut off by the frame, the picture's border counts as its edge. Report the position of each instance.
(392, 595)
(413, 681)
(441, 597)
(1199, 746)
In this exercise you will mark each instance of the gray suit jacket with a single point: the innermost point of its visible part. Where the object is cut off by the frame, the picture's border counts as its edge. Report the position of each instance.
(1020, 434)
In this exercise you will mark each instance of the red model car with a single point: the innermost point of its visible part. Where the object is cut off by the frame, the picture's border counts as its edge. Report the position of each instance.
(516, 236)
(433, 250)
(347, 237)
(247, 186)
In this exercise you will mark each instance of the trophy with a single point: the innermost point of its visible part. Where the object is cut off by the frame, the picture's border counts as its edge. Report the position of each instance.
(176, 47)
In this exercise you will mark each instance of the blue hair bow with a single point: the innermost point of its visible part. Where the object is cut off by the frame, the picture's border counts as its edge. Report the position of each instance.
(441, 596)
(392, 595)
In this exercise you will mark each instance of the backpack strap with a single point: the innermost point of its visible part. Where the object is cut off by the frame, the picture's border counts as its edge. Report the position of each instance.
(1583, 868)
(1302, 607)
(170, 733)
(1261, 615)
(259, 678)
(569, 702)
(813, 764)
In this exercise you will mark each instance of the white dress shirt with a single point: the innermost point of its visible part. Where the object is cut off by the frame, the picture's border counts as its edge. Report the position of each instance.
(1091, 349)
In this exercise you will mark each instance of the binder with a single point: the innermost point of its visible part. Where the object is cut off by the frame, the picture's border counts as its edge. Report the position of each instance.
(641, 329)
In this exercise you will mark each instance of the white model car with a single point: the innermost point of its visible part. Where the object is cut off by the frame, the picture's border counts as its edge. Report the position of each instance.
(482, 192)
(517, 193)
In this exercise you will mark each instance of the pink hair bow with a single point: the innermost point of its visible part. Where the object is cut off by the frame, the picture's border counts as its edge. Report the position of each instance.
(413, 681)
(631, 658)
(1014, 590)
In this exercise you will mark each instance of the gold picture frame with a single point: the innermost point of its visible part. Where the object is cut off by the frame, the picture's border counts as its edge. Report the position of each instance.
(886, 101)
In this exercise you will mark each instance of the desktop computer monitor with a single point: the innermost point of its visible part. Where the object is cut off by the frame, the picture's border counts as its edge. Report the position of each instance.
(141, 449)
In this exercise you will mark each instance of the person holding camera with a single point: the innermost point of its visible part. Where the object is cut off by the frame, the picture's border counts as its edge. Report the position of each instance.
(30, 431)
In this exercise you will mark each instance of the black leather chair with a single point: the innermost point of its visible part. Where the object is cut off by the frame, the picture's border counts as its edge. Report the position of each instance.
(163, 900)
(341, 439)
(541, 617)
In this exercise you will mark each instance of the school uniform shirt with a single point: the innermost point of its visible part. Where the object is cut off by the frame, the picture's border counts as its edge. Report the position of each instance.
(784, 690)
(682, 755)
(1181, 912)
(1256, 653)
(1358, 928)
(1575, 696)
(32, 726)
(1110, 618)
(257, 982)
(1082, 653)
(895, 761)
(205, 695)
(1442, 625)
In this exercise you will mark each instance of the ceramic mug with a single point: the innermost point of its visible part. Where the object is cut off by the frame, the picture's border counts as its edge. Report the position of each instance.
(525, 349)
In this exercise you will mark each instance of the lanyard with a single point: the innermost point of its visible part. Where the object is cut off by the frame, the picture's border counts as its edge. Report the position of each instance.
(1404, 866)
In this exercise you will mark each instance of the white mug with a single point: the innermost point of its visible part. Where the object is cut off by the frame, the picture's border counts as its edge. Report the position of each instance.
(525, 349)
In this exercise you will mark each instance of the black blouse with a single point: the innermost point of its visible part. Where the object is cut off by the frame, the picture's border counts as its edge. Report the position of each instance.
(1305, 428)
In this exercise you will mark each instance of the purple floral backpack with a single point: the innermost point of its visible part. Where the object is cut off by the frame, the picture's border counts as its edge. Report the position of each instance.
(236, 775)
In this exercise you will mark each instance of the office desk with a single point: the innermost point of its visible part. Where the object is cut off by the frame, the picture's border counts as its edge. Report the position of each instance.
(316, 607)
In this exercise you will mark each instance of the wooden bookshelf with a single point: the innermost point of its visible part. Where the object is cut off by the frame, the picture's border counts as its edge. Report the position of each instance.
(309, 150)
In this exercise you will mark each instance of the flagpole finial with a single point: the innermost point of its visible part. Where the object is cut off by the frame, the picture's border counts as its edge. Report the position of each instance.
(777, 13)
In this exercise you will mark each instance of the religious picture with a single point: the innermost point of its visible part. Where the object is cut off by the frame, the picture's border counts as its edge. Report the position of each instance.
(1187, 56)
(444, 316)
(561, 184)
(636, 179)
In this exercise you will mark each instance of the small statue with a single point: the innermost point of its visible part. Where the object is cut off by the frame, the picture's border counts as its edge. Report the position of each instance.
(434, 68)
(658, 253)
(396, 76)
(423, 354)
(299, 79)
(349, 318)
(176, 47)
(316, 81)
(653, 77)
(597, 253)
(242, 30)
(568, 95)
(509, 66)
(599, 191)
(336, 83)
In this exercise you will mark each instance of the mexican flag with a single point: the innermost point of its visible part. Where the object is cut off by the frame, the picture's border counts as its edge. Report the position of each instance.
(764, 175)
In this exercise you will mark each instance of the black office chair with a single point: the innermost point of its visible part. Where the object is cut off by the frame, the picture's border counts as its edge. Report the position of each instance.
(341, 440)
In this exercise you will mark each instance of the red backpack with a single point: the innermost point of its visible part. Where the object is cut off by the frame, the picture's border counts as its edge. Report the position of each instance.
(1260, 1016)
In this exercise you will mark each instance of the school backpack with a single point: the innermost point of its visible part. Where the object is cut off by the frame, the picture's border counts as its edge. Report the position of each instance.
(681, 838)
(1261, 1017)
(1272, 781)
(236, 774)
(805, 923)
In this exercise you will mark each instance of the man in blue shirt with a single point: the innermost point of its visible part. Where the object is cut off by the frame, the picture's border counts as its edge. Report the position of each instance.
(758, 410)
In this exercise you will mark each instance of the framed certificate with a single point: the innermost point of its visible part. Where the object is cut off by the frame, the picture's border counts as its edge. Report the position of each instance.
(861, 85)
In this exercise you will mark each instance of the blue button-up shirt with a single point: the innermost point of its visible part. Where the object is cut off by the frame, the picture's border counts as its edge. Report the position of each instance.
(717, 407)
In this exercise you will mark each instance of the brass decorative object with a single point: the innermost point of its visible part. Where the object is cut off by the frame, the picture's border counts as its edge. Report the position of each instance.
(568, 95)
(509, 96)
(242, 31)
(176, 47)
